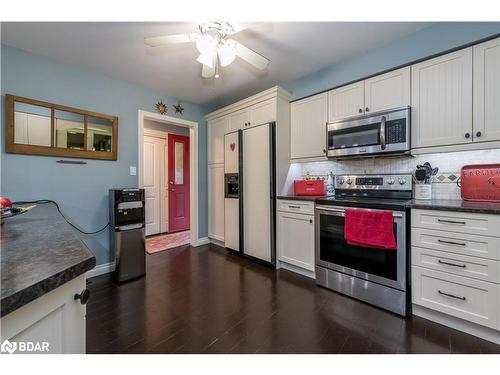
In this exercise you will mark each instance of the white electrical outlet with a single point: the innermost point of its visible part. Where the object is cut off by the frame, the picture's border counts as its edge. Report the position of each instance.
(133, 170)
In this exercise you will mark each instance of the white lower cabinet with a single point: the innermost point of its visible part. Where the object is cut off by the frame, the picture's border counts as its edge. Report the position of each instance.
(295, 240)
(216, 202)
(456, 270)
(54, 321)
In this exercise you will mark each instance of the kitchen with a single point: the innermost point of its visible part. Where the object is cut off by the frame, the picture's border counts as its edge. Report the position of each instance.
(319, 201)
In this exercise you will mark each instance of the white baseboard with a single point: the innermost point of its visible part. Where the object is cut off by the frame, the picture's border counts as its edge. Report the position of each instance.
(201, 241)
(100, 269)
(300, 271)
(458, 324)
(217, 242)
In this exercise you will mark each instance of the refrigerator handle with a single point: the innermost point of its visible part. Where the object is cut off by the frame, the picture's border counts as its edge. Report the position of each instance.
(241, 191)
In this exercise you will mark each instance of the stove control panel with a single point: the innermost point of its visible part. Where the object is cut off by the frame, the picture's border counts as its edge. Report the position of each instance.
(374, 182)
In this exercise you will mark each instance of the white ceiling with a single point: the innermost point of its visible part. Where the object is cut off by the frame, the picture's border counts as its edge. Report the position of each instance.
(116, 49)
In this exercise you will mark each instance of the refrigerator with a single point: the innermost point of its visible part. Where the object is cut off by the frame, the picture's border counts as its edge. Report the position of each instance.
(249, 159)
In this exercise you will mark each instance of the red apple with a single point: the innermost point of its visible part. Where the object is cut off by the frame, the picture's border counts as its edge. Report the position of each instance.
(5, 202)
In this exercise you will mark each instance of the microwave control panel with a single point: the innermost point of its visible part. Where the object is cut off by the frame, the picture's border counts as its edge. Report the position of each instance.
(396, 131)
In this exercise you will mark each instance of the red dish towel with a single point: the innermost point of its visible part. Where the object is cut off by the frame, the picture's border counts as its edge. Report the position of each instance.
(370, 229)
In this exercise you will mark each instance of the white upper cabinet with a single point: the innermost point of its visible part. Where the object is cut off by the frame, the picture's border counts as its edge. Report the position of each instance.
(346, 101)
(238, 120)
(262, 113)
(308, 127)
(216, 131)
(442, 100)
(388, 91)
(487, 91)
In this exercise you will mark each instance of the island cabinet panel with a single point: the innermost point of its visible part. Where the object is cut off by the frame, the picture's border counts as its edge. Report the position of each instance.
(56, 321)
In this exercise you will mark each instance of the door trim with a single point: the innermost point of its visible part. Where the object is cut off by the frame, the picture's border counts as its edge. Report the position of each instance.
(193, 161)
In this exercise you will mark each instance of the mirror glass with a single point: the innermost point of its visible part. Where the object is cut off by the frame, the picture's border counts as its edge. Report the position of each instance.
(32, 124)
(99, 134)
(69, 130)
(179, 163)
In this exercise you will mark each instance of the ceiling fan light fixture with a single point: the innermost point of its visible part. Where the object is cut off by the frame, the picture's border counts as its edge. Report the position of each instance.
(227, 53)
(206, 59)
(206, 44)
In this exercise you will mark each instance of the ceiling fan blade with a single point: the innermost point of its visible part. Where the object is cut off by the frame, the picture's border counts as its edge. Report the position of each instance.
(252, 57)
(207, 72)
(240, 26)
(156, 41)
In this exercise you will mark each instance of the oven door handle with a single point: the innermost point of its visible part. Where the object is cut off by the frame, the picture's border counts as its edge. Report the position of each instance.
(382, 132)
(341, 211)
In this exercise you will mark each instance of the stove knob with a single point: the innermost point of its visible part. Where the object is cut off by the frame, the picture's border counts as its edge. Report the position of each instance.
(349, 181)
(402, 181)
(390, 181)
(340, 181)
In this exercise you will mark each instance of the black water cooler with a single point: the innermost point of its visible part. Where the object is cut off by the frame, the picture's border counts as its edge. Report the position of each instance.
(127, 237)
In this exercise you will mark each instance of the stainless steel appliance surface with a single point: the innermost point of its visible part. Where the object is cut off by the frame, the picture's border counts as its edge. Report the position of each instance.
(376, 276)
(250, 203)
(374, 134)
(127, 236)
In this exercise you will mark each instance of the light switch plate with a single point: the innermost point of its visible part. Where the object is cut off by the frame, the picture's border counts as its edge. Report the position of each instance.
(133, 170)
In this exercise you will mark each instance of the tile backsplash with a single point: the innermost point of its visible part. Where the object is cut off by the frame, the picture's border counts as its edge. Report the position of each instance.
(443, 185)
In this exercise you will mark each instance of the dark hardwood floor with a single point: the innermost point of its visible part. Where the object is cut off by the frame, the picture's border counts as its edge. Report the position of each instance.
(204, 300)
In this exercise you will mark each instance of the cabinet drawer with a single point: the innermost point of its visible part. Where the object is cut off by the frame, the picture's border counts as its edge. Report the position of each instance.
(458, 243)
(304, 207)
(462, 265)
(462, 297)
(463, 222)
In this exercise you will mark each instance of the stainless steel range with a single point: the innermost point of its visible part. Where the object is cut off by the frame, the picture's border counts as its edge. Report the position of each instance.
(373, 275)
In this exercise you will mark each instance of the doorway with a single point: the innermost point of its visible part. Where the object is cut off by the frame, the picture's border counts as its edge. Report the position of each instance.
(166, 174)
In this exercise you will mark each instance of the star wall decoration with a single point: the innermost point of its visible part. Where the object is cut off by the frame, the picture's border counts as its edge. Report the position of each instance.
(178, 108)
(161, 107)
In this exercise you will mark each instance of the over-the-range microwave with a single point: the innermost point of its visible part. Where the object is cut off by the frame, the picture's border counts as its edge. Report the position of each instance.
(374, 134)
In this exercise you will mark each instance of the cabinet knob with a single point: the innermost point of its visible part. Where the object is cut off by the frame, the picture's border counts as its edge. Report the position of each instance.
(249, 123)
(324, 151)
(478, 134)
(83, 296)
(367, 109)
(467, 135)
(311, 221)
(245, 124)
(360, 110)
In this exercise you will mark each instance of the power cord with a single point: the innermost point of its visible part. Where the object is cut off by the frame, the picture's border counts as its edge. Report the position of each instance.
(45, 201)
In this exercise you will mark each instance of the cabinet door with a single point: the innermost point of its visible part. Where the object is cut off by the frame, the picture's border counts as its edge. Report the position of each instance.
(216, 202)
(238, 120)
(442, 100)
(387, 91)
(295, 239)
(263, 113)
(487, 91)
(216, 131)
(346, 101)
(308, 127)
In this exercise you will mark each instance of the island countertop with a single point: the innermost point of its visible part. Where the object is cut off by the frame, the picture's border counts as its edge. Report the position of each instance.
(39, 252)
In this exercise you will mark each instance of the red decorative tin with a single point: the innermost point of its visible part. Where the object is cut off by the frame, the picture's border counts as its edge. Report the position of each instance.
(480, 182)
(309, 187)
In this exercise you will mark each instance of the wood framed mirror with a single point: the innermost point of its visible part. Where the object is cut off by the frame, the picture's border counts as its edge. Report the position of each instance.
(34, 127)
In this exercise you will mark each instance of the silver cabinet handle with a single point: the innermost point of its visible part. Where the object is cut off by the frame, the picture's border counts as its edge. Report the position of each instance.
(451, 295)
(452, 243)
(451, 221)
(452, 264)
(382, 133)
(341, 211)
(290, 206)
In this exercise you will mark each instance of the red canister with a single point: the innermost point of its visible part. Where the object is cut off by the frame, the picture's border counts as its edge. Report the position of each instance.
(480, 182)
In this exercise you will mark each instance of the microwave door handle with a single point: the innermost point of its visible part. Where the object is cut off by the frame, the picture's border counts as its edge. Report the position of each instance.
(382, 133)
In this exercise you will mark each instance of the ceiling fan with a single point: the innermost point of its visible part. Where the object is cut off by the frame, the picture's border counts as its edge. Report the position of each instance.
(214, 46)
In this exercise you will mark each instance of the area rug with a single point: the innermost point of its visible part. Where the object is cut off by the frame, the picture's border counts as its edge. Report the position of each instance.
(167, 241)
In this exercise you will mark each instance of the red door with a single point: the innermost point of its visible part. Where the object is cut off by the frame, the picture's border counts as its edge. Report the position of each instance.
(178, 183)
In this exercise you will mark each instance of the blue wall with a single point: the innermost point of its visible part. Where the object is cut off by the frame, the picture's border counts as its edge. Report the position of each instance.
(82, 190)
(426, 42)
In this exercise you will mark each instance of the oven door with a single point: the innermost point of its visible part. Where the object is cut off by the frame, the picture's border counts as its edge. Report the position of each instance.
(386, 267)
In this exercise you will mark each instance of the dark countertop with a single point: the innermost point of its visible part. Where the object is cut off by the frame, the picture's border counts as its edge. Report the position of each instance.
(457, 205)
(311, 198)
(39, 253)
(432, 204)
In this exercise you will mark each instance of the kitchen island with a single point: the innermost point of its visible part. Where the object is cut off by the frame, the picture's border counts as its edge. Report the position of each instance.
(43, 265)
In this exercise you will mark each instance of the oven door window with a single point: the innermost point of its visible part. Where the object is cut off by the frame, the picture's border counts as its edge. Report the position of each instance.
(334, 249)
(360, 136)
